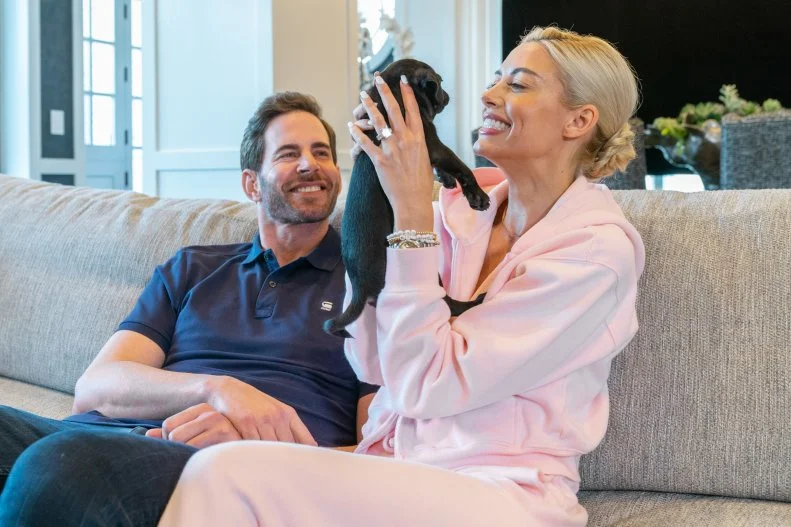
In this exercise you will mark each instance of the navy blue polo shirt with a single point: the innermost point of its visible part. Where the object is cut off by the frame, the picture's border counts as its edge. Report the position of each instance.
(232, 310)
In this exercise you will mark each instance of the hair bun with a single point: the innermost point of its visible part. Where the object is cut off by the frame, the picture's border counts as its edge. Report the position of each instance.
(615, 154)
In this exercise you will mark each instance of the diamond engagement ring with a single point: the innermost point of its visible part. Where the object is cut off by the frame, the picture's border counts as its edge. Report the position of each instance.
(384, 134)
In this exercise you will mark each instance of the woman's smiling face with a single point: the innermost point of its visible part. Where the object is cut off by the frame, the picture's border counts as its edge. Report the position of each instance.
(523, 115)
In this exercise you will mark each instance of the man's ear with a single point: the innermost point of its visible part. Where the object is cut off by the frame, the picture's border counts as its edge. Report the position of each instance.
(250, 185)
(581, 121)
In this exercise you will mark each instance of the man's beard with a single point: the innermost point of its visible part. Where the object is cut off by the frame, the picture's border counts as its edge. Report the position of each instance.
(278, 208)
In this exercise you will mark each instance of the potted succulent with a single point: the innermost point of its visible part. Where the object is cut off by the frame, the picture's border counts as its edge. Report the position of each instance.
(692, 140)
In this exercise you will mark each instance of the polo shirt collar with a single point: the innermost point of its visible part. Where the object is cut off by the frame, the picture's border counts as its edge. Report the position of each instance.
(325, 256)
(255, 251)
(328, 252)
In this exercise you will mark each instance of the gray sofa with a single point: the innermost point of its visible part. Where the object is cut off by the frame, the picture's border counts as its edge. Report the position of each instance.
(700, 428)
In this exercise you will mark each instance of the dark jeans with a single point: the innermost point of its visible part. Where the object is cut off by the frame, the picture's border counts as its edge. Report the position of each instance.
(82, 474)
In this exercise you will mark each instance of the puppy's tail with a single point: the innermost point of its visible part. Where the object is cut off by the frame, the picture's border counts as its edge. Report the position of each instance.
(335, 326)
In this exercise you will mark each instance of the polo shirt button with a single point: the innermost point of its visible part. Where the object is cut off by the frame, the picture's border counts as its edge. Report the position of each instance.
(272, 284)
(390, 442)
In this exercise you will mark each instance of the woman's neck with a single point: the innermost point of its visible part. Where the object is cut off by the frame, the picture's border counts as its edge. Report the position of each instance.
(532, 192)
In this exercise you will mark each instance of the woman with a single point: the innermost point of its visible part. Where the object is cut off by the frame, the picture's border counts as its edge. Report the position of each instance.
(481, 419)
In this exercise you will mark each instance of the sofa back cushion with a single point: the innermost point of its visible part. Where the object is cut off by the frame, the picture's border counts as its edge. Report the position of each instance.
(73, 262)
(701, 398)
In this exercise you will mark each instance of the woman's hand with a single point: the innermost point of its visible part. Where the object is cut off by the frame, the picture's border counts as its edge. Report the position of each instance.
(362, 121)
(401, 160)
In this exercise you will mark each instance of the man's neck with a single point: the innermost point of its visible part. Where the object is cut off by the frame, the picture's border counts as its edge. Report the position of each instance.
(291, 241)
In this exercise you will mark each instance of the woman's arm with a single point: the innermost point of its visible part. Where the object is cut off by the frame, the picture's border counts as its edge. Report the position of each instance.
(548, 320)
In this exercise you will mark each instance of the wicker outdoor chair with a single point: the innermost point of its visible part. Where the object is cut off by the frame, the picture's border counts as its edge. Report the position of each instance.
(756, 151)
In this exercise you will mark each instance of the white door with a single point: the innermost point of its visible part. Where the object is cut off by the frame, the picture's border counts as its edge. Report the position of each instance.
(111, 88)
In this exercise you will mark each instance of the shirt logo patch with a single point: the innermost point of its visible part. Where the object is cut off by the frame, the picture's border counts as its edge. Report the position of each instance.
(326, 306)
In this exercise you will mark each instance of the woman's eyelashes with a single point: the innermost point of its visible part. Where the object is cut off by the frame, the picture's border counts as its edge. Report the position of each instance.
(516, 86)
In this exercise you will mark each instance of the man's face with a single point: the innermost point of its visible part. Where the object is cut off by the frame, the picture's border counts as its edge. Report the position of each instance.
(299, 180)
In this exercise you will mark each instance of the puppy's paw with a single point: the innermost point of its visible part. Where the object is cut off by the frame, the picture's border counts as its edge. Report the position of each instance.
(444, 178)
(477, 198)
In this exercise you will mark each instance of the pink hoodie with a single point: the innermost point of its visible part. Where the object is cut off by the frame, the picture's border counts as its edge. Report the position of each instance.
(518, 384)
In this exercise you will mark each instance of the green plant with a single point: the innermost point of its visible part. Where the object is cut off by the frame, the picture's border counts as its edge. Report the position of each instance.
(698, 113)
(729, 96)
(670, 126)
(695, 115)
(734, 103)
(703, 121)
(772, 105)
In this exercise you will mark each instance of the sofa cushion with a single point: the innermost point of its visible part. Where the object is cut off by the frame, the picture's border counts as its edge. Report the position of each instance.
(649, 509)
(35, 399)
(74, 261)
(701, 398)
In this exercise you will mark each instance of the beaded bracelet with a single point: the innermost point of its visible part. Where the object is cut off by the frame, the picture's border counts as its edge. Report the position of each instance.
(411, 239)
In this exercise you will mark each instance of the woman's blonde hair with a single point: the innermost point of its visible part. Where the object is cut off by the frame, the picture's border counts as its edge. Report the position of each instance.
(593, 72)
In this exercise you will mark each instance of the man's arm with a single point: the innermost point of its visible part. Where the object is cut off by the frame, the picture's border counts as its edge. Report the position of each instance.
(126, 380)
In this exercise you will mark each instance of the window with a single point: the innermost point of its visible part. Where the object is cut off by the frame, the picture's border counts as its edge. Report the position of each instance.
(98, 48)
(376, 50)
(137, 94)
(370, 12)
(112, 43)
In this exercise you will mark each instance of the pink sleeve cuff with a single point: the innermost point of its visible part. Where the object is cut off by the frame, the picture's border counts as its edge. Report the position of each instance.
(411, 269)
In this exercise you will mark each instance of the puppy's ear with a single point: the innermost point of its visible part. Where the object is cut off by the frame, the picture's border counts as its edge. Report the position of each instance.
(430, 84)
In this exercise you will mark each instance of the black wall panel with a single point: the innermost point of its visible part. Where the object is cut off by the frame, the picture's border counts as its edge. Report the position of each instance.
(682, 50)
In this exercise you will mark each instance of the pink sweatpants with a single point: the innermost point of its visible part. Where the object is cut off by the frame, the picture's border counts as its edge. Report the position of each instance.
(276, 484)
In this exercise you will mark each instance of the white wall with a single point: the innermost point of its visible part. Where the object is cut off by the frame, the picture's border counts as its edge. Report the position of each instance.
(203, 75)
(207, 66)
(316, 52)
(433, 24)
(2, 89)
(461, 39)
(16, 125)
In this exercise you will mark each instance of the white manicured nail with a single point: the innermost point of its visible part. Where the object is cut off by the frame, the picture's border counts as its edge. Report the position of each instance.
(364, 95)
(379, 80)
(403, 79)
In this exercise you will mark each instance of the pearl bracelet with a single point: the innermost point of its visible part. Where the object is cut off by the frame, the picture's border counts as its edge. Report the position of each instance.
(411, 239)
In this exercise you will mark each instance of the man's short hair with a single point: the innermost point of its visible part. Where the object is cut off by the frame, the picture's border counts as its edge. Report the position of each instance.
(252, 148)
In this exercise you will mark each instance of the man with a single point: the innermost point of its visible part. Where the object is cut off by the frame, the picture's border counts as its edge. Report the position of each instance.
(225, 343)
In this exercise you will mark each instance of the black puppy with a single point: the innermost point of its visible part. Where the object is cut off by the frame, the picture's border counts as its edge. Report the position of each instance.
(368, 216)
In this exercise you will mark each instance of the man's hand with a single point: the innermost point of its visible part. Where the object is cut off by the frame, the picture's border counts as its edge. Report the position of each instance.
(255, 415)
(199, 426)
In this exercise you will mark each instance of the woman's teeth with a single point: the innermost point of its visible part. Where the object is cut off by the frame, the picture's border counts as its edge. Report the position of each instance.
(312, 188)
(497, 125)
